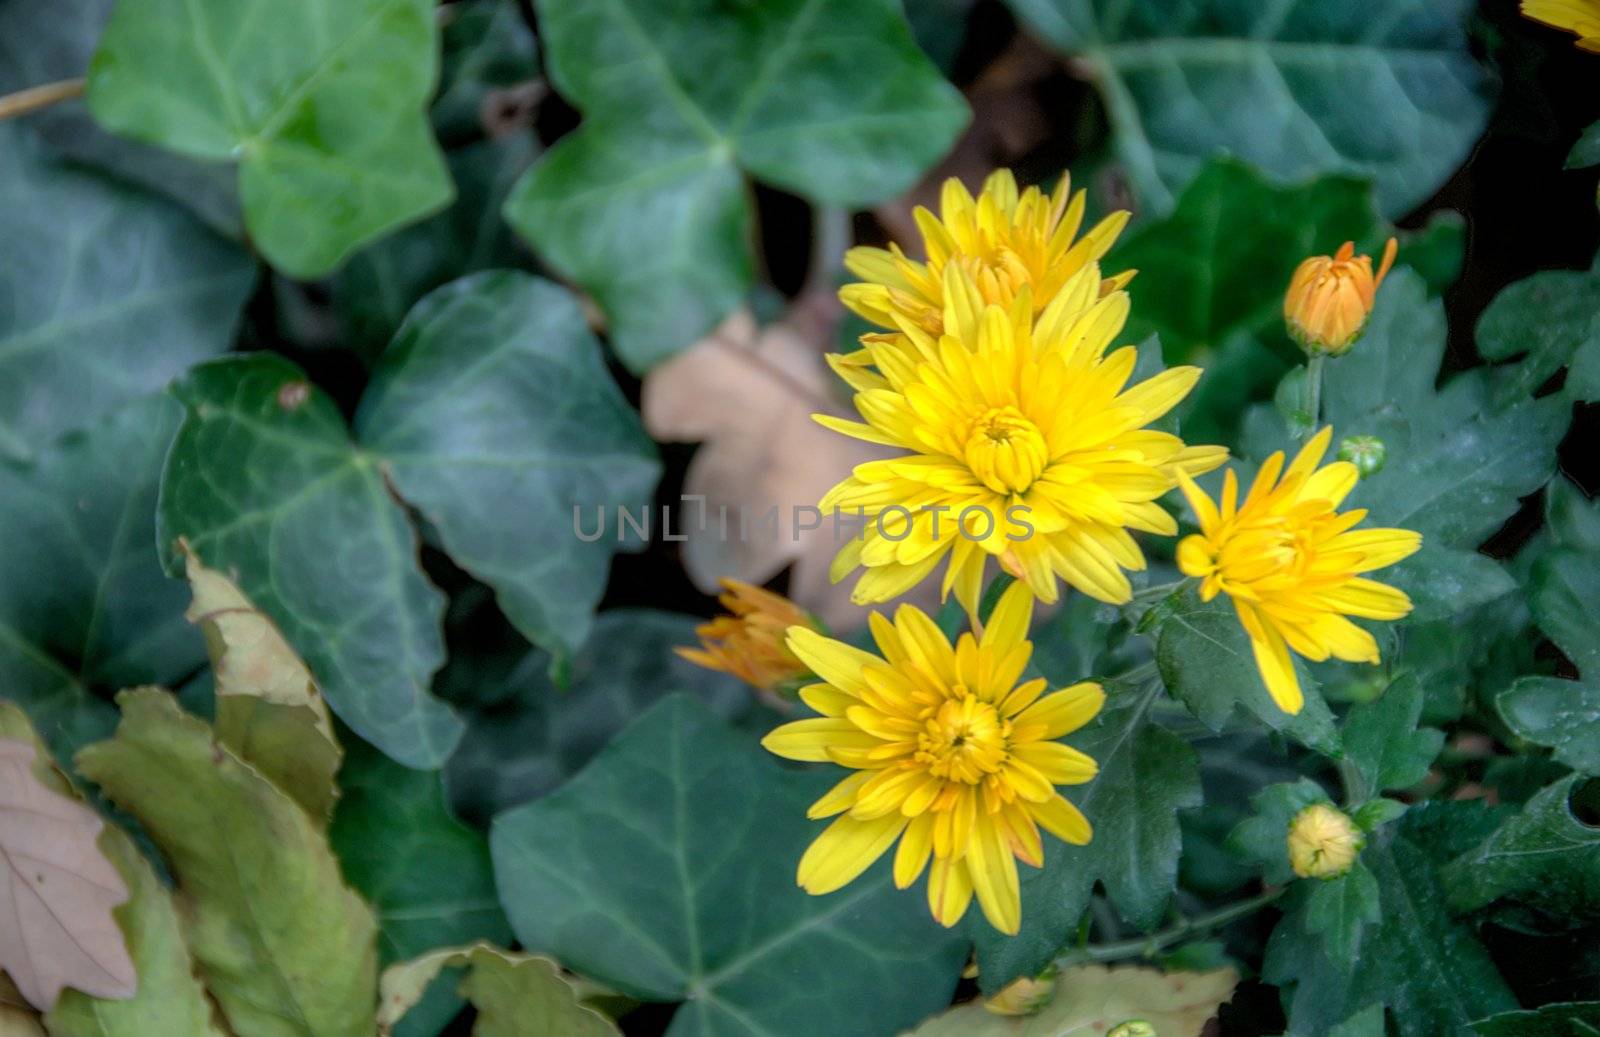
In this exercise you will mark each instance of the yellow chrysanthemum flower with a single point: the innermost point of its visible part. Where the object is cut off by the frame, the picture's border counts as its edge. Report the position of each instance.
(1291, 563)
(750, 642)
(1581, 17)
(954, 759)
(1026, 444)
(1004, 240)
(1323, 842)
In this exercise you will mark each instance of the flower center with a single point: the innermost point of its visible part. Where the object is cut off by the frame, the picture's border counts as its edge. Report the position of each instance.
(963, 740)
(1006, 451)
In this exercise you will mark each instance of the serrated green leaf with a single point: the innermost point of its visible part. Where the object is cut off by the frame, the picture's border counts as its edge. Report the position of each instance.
(1554, 318)
(497, 420)
(263, 482)
(284, 946)
(1571, 518)
(1382, 740)
(321, 103)
(1339, 909)
(633, 873)
(1263, 838)
(85, 608)
(1561, 714)
(1296, 88)
(1146, 776)
(110, 292)
(427, 876)
(1544, 856)
(527, 734)
(1563, 588)
(1568, 1019)
(1426, 967)
(516, 995)
(830, 99)
(1206, 662)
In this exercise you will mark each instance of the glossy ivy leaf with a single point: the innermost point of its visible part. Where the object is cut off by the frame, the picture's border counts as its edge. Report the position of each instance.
(1554, 318)
(1206, 661)
(496, 419)
(85, 608)
(49, 43)
(321, 103)
(526, 734)
(1383, 743)
(1561, 714)
(264, 483)
(1340, 909)
(1389, 91)
(643, 205)
(1146, 776)
(1586, 152)
(1428, 968)
(110, 292)
(277, 934)
(375, 290)
(1263, 838)
(1565, 1019)
(427, 876)
(632, 873)
(1544, 856)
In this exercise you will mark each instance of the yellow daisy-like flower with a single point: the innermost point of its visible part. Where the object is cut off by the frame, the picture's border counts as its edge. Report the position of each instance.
(1291, 563)
(1581, 17)
(750, 642)
(1004, 240)
(1026, 444)
(954, 758)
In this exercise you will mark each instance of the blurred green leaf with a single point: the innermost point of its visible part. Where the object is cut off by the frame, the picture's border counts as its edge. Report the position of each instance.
(1340, 910)
(1388, 90)
(1586, 152)
(1263, 838)
(527, 735)
(496, 418)
(1426, 967)
(110, 292)
(1381, 739)
(485, 47)
(263, 481)
(1146, 776)
(1569, 1019)
(1206, 661)
(1554, 318)
(635, 873)
(1563, 589)
(284, 946)
(644, 207)
(85, 607)
(1544, 856)
(321, 102)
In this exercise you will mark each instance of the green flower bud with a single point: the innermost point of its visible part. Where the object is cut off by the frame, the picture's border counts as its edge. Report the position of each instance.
(1367, 453)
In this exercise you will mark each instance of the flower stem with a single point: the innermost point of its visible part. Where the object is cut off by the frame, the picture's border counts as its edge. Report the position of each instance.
(1313, 396)
(1154, 943)
(36, 97)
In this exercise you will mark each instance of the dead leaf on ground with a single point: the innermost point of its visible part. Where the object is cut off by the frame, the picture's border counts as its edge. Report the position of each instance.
(56, 896)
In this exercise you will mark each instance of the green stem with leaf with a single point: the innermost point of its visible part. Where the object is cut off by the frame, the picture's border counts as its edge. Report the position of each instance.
(1154, 943)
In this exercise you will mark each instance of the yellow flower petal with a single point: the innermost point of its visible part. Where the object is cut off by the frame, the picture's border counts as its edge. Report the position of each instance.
(844, 850)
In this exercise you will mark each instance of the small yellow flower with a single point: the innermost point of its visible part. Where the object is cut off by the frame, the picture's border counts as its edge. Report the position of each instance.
(953, 758)
(1323, 842)
(1024, 996)
(1290, 562)
(1331, 297)
(1004, 240)
(1024, 443)
(750, 643)
(1581, 17)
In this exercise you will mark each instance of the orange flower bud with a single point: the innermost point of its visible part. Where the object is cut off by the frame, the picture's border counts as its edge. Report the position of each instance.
(1331, 297)
(749, 643)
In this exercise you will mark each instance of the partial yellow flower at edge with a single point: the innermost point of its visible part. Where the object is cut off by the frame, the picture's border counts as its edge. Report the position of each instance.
(750, 642)
(1581, 17)
(1290, 561)
(953, 759)
(1330, 298)
(1005, 240)
(1003, 412)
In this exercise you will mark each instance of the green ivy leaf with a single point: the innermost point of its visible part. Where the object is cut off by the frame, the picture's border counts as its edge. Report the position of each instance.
(634, 873)
(527, 734)
(427, 876)
(110, 292)
(1567, 1019)
(283, 944)
(1382, 740)
(85, 607)
(1426, 967)
(1339, 909)
(643, 206)
(1146, 776)
(322, 104)
(1206, 662)
(1544, 856)
(1297, 88)
(264, 483)
(497, 420)
(1263, 838)
(1554, 318)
